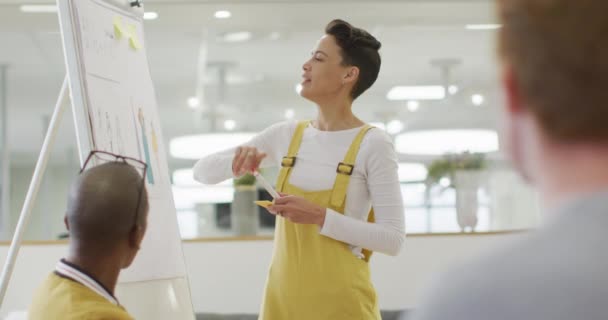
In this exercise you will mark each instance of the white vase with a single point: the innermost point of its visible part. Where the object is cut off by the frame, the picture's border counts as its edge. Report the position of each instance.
(467, 183)
(244, 212)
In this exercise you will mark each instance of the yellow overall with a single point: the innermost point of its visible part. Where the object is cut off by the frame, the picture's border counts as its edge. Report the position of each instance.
(311, 276)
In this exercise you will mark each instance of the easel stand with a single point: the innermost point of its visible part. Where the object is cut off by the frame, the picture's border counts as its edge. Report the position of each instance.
(32, 192)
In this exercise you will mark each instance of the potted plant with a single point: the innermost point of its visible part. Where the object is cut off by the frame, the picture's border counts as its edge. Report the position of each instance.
(244, 213)
(465, 173)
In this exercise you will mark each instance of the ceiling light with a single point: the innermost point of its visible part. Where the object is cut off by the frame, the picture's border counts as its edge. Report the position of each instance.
(477, 99)
(445, 182)
(238, 79)
(39, 8)
(489, 26)
(416, 93)
(185, 178)
(439, 142)
(299, 88)
(201, 145)
(413, 106)
(239, 36)
(193, 102)
(412, 172)
(234, 78)
(453, 89)
(223, 14)
(289, 114)
(150, 15)
(274, 36)
(188, 197)
(229, 125)
(394, 127)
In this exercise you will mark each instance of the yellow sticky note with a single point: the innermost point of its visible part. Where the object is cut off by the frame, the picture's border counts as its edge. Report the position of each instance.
(263, 203)
(118, 28)
(132, 33)
(134, 43)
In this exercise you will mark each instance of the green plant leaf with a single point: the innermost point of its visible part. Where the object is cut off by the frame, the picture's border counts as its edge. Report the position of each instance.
(449, 163)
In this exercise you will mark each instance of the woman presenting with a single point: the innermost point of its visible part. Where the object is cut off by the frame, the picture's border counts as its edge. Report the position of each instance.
(334, 170)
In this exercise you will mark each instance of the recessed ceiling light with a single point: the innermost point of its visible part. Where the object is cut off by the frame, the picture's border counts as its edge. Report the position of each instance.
(453, 89)
(201, 145)
(234, 78)
(274, 35)
(412, 171)
(413, 105)
(487, 26)
(193, 102)
(394, 126)
(445, 182)
(289, 114)
(150, 15)
(416, 93)
(439, 142)
(38, 8)
(477, 99)
(189, 196)
(239, 36)
(185, 178)
(223, 14)
(229, 125)
(378, 125)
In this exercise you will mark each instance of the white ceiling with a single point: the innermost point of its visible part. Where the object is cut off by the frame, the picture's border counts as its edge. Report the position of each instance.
(412, 32)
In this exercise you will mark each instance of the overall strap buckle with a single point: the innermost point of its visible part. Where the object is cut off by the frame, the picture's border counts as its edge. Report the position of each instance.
(288, 162)
(346, 169)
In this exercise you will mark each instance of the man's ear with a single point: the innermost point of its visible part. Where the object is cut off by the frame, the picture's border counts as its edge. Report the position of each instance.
(136, 235)
(514, 100)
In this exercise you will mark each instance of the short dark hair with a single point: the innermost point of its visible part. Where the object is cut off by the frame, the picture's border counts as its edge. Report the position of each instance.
(359, 49)
(559, 56)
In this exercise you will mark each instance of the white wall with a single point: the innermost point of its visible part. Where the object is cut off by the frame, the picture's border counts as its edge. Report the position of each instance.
(229, 276)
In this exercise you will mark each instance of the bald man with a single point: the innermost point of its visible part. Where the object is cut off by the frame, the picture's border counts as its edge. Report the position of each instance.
(106, 218)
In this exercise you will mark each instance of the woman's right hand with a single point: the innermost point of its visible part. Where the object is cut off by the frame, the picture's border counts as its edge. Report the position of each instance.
(246, 159)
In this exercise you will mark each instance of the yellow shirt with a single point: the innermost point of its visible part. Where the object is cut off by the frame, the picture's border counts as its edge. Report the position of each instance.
(66, 299)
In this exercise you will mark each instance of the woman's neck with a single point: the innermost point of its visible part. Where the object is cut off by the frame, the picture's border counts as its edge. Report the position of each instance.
(336, 117)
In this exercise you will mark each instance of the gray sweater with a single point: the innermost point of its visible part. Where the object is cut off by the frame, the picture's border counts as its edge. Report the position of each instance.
(558, 272)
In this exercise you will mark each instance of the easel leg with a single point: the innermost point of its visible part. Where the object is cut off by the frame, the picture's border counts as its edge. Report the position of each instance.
(33, 189)
(4, 156)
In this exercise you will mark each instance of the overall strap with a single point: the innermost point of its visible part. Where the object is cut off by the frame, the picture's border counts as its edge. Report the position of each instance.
(290, 160)
(345, 170)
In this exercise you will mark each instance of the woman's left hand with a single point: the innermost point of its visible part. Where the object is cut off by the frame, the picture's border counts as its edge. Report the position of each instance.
(298, 210)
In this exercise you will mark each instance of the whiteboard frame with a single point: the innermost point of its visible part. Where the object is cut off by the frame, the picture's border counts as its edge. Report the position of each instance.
(77, 87)
(80, 109)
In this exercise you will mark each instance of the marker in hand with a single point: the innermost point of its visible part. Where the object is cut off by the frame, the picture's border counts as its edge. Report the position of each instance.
(266, 185)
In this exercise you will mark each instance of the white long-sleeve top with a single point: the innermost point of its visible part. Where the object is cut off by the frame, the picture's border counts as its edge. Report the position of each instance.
(374, 181)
